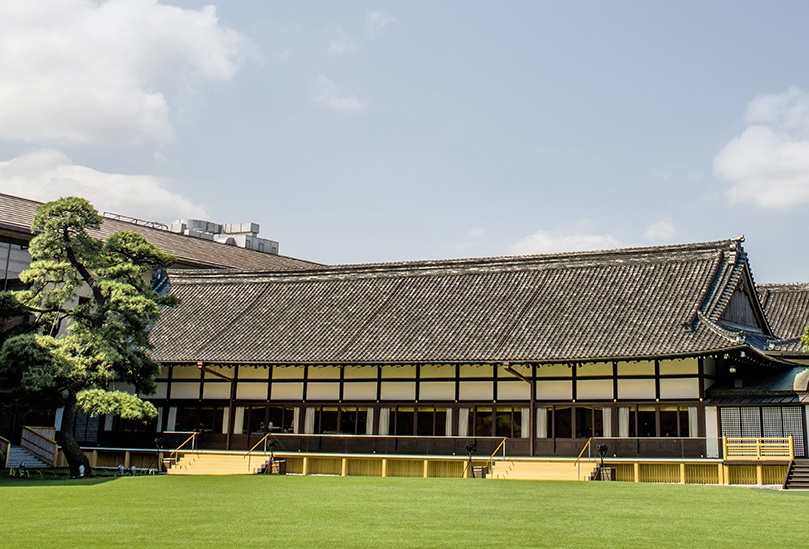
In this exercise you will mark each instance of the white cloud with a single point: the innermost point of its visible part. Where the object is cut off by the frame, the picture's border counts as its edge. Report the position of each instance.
(475, 232)
(90, 71)
(545, 242)
(48, 174)
(340, 43)
(324, 91)
(660, 230)
(768, 164)
(377, 20)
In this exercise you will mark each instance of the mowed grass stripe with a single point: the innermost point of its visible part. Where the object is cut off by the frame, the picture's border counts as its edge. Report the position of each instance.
(291, 511)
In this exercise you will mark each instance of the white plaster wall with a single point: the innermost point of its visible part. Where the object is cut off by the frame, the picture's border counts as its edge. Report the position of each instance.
(251, 391)
(594, 389)
(362, 390)
(185, 390)
(636, 389)
(554, 390)
(437, 390)
(513, 390)
(679, 388)
(286, 391)
(398, 391)
(475, 390)
(322, 391)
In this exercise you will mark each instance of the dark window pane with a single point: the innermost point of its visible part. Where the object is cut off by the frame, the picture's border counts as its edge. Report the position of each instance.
(328, 421)
(440, 423)
(668, 422)
(646, 422)
(186, 419)
(483, 422)
(254, 422)
(598, 422)
(404, 421)
(562, 423)
(684, 423)
(584, 422)
(425, 422)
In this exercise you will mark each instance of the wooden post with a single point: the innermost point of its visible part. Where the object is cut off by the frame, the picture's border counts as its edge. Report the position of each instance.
(682, 473)
(636, 467)
(384, 468)
(759, 474)
(305, 470)
(127, 459)
(426, 471)
(720, 474)
(725, 447)
(791, 448)
(344, 468)
(94, 458)
(726, 471)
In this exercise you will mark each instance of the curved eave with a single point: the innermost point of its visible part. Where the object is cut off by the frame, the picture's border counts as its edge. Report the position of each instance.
(764, 359)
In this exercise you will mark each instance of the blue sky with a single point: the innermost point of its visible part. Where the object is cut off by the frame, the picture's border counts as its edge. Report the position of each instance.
(385, 131)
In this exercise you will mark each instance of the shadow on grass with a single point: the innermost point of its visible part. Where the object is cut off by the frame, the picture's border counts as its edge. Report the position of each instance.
(51, 477)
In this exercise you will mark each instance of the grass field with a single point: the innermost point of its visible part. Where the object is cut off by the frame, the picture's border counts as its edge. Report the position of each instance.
(291, 511)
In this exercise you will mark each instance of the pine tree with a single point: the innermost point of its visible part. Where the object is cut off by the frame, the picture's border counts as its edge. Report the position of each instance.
(91, 305)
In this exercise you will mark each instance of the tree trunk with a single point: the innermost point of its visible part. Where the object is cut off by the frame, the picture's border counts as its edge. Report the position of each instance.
(75, 457)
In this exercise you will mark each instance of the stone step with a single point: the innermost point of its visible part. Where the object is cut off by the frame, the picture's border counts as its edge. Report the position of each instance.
(540, 470)
(18, 455)
(218, 464)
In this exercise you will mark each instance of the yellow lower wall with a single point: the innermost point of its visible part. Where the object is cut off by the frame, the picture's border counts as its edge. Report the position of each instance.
(668, 471)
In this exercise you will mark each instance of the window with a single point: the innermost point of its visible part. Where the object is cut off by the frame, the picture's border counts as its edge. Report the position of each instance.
(646, 421)
(402, 421)
(563, 422)
(199, 419)
(589, 422)
(756, 421)
(431, 422)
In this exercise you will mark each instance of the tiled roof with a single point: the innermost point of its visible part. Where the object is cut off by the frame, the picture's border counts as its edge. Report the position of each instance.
(645, 302)
(17, 214)
(787, 310)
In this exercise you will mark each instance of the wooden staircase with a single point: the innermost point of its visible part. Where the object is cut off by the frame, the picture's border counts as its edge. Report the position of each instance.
(207, 463)
(535, 469)
(798, 475)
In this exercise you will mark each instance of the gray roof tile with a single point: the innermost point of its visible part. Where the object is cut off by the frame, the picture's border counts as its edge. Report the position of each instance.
(564, 307)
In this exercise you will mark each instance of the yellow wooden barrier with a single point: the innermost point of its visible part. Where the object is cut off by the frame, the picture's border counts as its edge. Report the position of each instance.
(759, 449)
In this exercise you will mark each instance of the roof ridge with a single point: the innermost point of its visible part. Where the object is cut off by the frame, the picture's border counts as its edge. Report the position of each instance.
(663, 254)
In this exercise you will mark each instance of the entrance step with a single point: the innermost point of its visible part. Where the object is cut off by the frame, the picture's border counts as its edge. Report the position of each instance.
(798, 476)
(532, 469)
(200, 463)
(17, 455)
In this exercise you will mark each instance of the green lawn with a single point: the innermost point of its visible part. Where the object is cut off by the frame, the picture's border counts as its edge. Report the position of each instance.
(292, 511)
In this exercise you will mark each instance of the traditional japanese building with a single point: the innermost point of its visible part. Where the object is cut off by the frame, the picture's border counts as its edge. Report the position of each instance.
(661, 350)
(658, 351)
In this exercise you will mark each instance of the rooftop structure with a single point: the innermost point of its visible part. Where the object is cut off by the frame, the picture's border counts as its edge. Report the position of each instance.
(17, 214)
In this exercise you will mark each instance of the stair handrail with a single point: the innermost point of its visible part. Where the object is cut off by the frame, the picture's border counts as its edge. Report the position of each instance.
(5, 445)
(39, 444)
(177, 450)
(491, 457)
(249, 454)
(577, 463)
